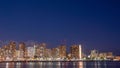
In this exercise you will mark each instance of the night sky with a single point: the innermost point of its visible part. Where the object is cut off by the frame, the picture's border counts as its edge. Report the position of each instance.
(93, 23)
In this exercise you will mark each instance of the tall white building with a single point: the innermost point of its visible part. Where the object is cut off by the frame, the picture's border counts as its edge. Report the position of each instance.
(31, 52)
(80, 52)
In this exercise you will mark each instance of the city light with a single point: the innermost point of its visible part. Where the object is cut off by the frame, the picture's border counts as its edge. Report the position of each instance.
(40, 52)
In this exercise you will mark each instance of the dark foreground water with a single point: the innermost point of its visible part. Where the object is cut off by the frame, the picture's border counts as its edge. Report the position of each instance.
(95, 64)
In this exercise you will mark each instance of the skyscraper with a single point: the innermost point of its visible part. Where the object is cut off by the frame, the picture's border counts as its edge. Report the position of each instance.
(76, 52)
(30, 52)
(12, 49)
(62, 51)
(80, 52)
(22, 49)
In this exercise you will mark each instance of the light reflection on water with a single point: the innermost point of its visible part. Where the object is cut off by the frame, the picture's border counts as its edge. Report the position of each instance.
(9, 65)
(80, 64)
(96, 64)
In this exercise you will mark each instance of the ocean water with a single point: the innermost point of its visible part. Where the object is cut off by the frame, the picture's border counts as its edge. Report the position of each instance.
(88, 64)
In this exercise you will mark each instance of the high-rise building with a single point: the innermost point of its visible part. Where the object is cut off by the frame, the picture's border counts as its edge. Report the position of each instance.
(48, 54)
(22, 49)
(20, 55)
(37, 51)
(42, 48)
(22, 46)
(55, 53)
(62, 51)
(94, 54)
(12, 49)
(30, 52)
(76, 52)
(26, 53)
(80, 52)
(12, 45)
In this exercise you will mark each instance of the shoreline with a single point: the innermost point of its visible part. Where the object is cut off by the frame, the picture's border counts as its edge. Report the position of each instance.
(64, 61)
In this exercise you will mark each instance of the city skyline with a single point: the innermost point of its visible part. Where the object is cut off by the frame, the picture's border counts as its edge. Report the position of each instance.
(40, 52)
(31, 43)
(94, 24)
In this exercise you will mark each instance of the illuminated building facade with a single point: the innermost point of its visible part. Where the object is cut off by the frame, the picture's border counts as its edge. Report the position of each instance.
(94, 54)
(48, 54)
(12, 49)
(102, 56)
(55, 53)
(62, 51)
(42, 48)
(22, 49)
(30, 52)
(76, 52)
(41, 52)
(106, 55)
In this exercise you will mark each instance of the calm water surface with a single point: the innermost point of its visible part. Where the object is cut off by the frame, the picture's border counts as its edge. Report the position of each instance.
(96, 64)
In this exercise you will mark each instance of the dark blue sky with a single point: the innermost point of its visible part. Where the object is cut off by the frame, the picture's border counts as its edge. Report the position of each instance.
(93, 23)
